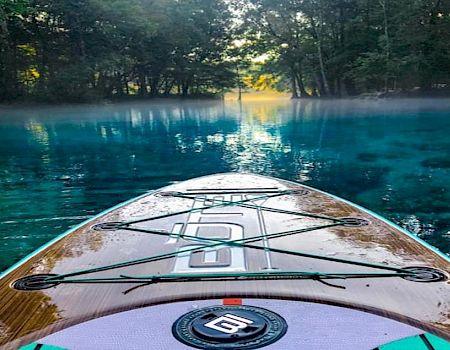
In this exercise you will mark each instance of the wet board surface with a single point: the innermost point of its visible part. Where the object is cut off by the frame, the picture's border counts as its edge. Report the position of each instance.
(265, 216)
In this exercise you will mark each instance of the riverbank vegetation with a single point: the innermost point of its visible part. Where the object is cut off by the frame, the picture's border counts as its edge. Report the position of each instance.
(88, 50)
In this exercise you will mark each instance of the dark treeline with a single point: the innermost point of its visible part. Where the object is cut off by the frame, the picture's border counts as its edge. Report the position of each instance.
(87, 50)
(348, 47)
(76, 50)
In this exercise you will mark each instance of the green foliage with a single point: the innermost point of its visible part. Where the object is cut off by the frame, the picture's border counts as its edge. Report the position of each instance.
(11, 8)
(341, 47)
(82, 50)
(95, 49)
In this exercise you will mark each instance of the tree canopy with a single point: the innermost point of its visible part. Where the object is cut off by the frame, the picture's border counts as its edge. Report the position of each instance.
(86, 50)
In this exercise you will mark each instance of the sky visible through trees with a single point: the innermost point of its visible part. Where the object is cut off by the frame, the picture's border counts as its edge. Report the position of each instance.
(90, 50)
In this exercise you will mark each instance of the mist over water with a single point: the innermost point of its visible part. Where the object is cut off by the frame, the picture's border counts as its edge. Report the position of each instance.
(61, 165)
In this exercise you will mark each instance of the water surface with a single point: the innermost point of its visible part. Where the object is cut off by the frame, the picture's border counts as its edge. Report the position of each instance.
(61, 165)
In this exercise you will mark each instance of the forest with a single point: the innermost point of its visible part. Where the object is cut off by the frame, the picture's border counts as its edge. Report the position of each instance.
(91, 50)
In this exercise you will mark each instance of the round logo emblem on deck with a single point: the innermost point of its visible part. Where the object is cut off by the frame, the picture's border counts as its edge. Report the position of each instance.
(229, 327)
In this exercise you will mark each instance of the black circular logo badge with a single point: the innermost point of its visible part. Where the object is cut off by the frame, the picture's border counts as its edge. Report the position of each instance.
(229, 327)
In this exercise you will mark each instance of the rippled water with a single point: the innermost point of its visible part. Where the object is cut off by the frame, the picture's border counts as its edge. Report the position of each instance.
(61, 165)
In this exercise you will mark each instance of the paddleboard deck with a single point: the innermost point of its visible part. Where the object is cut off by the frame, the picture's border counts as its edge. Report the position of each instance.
(300, 254)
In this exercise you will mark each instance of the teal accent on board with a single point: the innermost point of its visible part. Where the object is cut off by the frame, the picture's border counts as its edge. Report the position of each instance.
(418, 342)
(437, 343)
(410, 343)
(37, 346)
(29, 347)
(62, 235)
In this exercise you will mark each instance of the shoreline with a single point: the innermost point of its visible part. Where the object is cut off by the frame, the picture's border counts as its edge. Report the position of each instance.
(246, 97)
(188, 100)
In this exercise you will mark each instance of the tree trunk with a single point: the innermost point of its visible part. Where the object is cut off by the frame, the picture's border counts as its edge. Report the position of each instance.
(317, 35)
(142, 84)
(294, 87)
(342, 88)
(168, 86)
(125, 83)
(185, 88)
(7, 77)
(301, 86)
(119, 84)
(387, 42)
(239, 83)
(322, 69)
(341, 26)
(154, 83)
(319, 84)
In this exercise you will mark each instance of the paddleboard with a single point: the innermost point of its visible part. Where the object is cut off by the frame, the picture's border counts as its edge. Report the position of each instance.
(230, 261)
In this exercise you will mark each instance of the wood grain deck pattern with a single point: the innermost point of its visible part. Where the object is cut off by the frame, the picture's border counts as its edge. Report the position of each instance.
(26, 316)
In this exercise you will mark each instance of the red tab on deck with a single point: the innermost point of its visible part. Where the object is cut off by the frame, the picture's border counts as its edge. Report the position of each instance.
(232, 301)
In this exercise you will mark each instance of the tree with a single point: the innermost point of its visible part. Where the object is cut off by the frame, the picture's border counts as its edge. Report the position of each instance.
(82, 50)
(341, 47)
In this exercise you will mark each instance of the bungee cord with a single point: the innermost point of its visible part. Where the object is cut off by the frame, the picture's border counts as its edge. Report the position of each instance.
(209, 243)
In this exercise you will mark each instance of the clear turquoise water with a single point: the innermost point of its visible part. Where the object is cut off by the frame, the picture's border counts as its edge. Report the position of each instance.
(61, 165)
